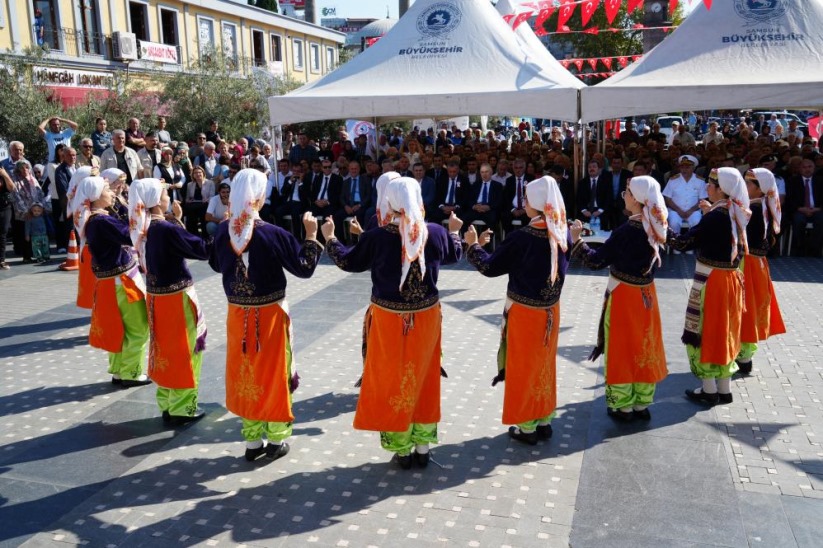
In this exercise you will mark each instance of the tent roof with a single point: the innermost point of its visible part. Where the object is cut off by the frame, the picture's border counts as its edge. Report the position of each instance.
(442, 59)
(739, 54)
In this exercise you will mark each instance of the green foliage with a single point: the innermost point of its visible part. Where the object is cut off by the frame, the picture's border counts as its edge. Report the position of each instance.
(270, 5)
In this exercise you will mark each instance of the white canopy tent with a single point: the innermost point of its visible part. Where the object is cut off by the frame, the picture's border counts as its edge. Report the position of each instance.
(442, 59)
(739, 54)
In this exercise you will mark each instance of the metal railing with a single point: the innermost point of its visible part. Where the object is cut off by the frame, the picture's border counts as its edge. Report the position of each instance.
(77, 43)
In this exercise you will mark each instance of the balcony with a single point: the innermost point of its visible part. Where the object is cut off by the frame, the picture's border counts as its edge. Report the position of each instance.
(77, 43)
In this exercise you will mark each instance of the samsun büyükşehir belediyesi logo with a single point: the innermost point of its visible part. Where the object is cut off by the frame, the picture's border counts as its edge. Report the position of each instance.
(760, 11)
(438, 19)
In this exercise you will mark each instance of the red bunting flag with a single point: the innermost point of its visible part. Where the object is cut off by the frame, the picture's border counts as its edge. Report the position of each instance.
(592, 63)
(546, 10)
(708, 4)
(633, 5)
(672, 6)
(521, 17)
(607, 62)
(565, 13)
(612, 7)
(564, 29)
(635, 58)
(508, 18)
(565, 63)
(579, 64)
(592, 30)
(371, 41)
(639, 26)
(587, 9)
(623, 61)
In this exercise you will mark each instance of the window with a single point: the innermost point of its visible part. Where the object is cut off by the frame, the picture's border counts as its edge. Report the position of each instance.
(139, 18)
(258, 48)
(205, 35)
(168, 27)
(49, 22)
(276, 48)
(230, 41)
(315, 57)
(90, 37)
(330, 64)
(297, 53)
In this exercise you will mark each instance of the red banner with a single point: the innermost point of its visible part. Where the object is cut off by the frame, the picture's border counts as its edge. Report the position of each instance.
(815, 127)
(566, 64)
(587, 9)
(612, 7)
(579, 64)
(592, 63)
(546, 10)
(521, 17)
(623, 61)
(565, 13)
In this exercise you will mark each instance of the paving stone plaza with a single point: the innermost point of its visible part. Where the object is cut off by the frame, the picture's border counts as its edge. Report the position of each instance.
(84, 462)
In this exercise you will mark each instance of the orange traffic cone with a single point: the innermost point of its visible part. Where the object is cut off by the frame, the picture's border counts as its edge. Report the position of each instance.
(72, 258)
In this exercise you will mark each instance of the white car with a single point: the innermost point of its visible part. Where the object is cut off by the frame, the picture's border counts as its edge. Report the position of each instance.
(666, 123)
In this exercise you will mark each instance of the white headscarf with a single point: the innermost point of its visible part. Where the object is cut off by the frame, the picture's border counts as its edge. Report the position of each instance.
(248, 193)
(733, 185)
(383, 210)
(646, 190)
(144, 194)
(73, 205)
(771, 198)
(112, 175)
(544, 195)
(403, 195)
(87, 191)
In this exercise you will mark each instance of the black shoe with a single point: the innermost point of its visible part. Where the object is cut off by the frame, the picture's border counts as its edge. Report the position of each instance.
(180, 420)
(519, 435)
(702, 397)
(744, 368)
(422, 459)
(253, 454)
(405, 461)
(131, 383)
(276, 450)
(115, 381)
(643, 415)
(166, 417)
(544, 431)
(725, 398)
(619, 416)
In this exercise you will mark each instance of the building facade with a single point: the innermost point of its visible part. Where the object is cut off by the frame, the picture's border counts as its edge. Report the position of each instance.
(86, 41)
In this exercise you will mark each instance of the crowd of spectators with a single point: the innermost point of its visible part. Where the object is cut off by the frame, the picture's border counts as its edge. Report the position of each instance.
(479, 176)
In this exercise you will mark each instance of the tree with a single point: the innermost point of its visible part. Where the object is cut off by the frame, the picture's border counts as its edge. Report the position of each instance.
(270, 5)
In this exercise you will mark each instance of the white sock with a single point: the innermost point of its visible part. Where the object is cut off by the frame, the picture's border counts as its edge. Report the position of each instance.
(544, 422)
(257, 444)
(626, 409)
(640, 407)
(422, 448)
(709, 386)
(142, 378)
(724, 386)
(116, 377)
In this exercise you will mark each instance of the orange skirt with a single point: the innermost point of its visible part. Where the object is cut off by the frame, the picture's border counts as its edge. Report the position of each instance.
(401, 374)
(634, 347)
(257, 363)
(107, 330)
(721, 315)
(761, 315)
(85, 280)
(531, 363)
(170, 351)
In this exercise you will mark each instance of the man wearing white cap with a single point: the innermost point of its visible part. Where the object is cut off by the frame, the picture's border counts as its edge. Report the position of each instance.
(683, 193)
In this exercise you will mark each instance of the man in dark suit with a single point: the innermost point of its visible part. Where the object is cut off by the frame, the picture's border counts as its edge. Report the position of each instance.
(437, 171)
(619, 178)
(355, 199)
(62, 176)
(485, 198)
(514, 197)
(566, 184)
(804, 204)
(594, 194)
(295, 194)
(428, 188)
(324, 192)
(451, 192)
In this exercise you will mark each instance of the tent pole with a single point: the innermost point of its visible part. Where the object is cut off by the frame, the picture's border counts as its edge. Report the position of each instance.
(581, 139)
(279, 133)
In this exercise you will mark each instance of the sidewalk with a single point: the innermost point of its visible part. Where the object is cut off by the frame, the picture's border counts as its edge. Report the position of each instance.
(82, 462)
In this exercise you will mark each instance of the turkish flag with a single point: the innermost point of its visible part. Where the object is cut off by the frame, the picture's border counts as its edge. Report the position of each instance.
(636, 58)
(607, 62)
(565, 13)
(579, 64)
(592, 63)
(612, 7)
(639, 26)
(672, 6)
(708, 4)
(815, 127)
(508, 18)
(623, 61)
(521, 17)
(563, 29)
(592, 30)
(546, 10)
(587, 9)
(565, 63)
(633, 5)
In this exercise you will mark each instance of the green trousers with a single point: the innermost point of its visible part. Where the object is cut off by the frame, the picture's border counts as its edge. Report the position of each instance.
(402, 443)
(128, 364)
(703, 370)
(182, 402)
(275, 432)
(747, 351)
(621, 396)
(530, 426)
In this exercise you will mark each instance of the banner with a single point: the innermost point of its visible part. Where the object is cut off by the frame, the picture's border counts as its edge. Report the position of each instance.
(815, 127)
(356, 128)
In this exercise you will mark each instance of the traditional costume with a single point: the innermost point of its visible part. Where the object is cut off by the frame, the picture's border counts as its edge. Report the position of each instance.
(630, 336)
(713, 315)
(535, 259)
(761, 313)
(400, 393)
(117, 181)
(176, 323)
(85, 276)
(118, 316)
(253, 256)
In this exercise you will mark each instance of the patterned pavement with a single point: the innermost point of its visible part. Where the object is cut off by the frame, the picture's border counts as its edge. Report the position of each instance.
(82, 462)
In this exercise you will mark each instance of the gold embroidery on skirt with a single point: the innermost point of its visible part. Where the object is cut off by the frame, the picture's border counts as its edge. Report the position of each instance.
(408, 388)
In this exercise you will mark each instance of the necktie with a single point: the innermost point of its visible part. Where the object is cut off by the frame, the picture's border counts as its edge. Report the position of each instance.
(355, 191)
(519, 193)
(593, 198)
(807, 183)
(484, 195)
(450, 196)
(295, 195)
(322, 195)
